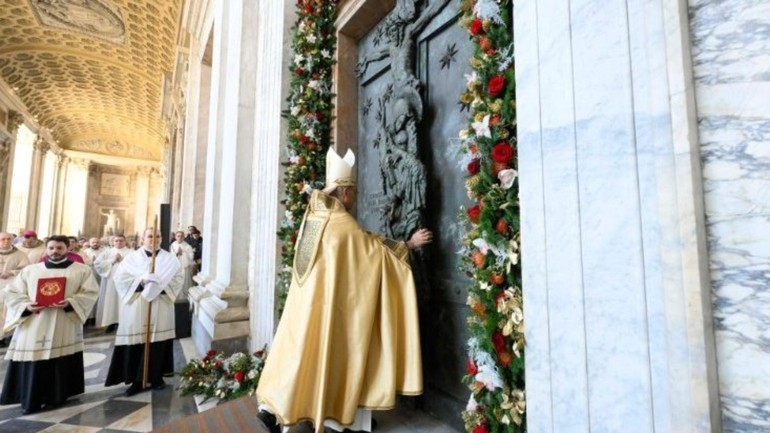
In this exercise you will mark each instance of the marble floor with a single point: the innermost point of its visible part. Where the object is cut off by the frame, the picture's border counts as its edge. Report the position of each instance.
(107, 410)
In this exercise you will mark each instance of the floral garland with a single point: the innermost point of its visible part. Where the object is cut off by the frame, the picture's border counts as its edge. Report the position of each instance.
(495, 364)
(309, 118)
(223, 377)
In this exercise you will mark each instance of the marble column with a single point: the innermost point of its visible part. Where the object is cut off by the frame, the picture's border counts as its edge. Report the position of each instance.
(40, 147)
(731, 60)
(616, 290)
(221, 315)
(62, 164)
(142, 199)
(6, 173)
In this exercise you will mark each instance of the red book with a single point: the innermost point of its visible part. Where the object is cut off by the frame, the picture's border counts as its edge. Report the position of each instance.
(50, 291)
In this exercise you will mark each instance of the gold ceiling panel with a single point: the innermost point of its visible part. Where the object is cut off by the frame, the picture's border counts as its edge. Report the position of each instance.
(91, 71)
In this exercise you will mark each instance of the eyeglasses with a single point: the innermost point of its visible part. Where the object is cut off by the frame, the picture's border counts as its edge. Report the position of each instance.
(28, 236)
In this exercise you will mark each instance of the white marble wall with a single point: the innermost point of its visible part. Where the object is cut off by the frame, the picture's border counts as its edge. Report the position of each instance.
(731, 60)
(616, 288)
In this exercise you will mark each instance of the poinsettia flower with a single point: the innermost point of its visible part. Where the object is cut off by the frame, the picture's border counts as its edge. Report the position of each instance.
(482, 128)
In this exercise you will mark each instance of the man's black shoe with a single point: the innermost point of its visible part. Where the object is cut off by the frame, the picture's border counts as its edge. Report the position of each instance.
(268, 419)
(159, 385)
(31, 410)
(134, 389)
(111, 328)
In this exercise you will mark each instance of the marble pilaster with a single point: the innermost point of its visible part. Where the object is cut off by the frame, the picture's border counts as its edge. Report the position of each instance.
(263, 253)
(731, 59)
(616, 294)
(195, 138)
(74, 203)
(222, 316)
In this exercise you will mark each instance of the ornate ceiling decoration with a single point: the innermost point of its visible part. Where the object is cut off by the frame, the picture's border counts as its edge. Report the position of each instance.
(91, 71)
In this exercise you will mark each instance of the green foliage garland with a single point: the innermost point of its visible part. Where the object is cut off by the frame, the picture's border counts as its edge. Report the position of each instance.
(309, 121)
(495, 364)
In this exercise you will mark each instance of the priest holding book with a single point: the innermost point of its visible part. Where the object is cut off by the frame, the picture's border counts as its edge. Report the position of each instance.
(47, 305)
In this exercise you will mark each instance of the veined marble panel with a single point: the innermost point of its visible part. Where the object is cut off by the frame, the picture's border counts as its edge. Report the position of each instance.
(731, 59)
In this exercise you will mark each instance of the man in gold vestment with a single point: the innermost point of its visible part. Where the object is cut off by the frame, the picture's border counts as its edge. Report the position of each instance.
(348, 340)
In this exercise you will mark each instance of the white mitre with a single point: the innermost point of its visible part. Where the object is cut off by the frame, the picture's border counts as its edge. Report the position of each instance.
(339, 171)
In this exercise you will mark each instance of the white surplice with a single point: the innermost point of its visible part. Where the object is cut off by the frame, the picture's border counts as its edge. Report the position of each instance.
(184, 252)
(52, 332)
(106, 264)
(12, 262)
(134, 308)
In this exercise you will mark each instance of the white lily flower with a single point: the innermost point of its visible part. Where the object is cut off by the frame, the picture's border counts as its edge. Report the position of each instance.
(482, 128)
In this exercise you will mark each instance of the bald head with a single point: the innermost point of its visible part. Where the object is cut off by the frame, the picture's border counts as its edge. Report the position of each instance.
(147, 239)
(5, 240)
(95, 243)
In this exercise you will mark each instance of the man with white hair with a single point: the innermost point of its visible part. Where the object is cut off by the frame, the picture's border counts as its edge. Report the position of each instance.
(351, 309)
(145, 292)
(12, 260)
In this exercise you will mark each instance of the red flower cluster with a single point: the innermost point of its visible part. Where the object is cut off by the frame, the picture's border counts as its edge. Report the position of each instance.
(474, 213)
(503, 152)
(209, 355)
(503, 355)
(473, 167)
(477, 27)
(481, 428)
(238, 376)
(496, 85)
(470, 367)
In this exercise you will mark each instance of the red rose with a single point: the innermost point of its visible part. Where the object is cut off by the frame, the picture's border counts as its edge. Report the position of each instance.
(470, 367)
(218, 364)
(238, 376)
(498, 340)
(473, 214)
(480, 428)
(259, 353)
(477, 27)
(503, 153)
(299, 71)
(496, 85)
(473, 167)
(319, 116)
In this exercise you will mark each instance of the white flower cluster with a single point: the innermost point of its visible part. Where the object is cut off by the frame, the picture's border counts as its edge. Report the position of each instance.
(488, 374)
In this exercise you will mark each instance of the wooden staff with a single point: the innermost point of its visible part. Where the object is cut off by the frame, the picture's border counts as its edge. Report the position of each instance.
(148, 335)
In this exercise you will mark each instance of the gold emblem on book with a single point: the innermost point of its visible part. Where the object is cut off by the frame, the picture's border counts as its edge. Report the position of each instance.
(50, 289)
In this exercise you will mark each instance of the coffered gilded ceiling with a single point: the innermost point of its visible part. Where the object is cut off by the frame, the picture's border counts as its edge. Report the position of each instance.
(91, 71)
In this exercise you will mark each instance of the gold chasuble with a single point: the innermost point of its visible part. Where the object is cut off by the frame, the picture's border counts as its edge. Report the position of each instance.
(349, 334)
